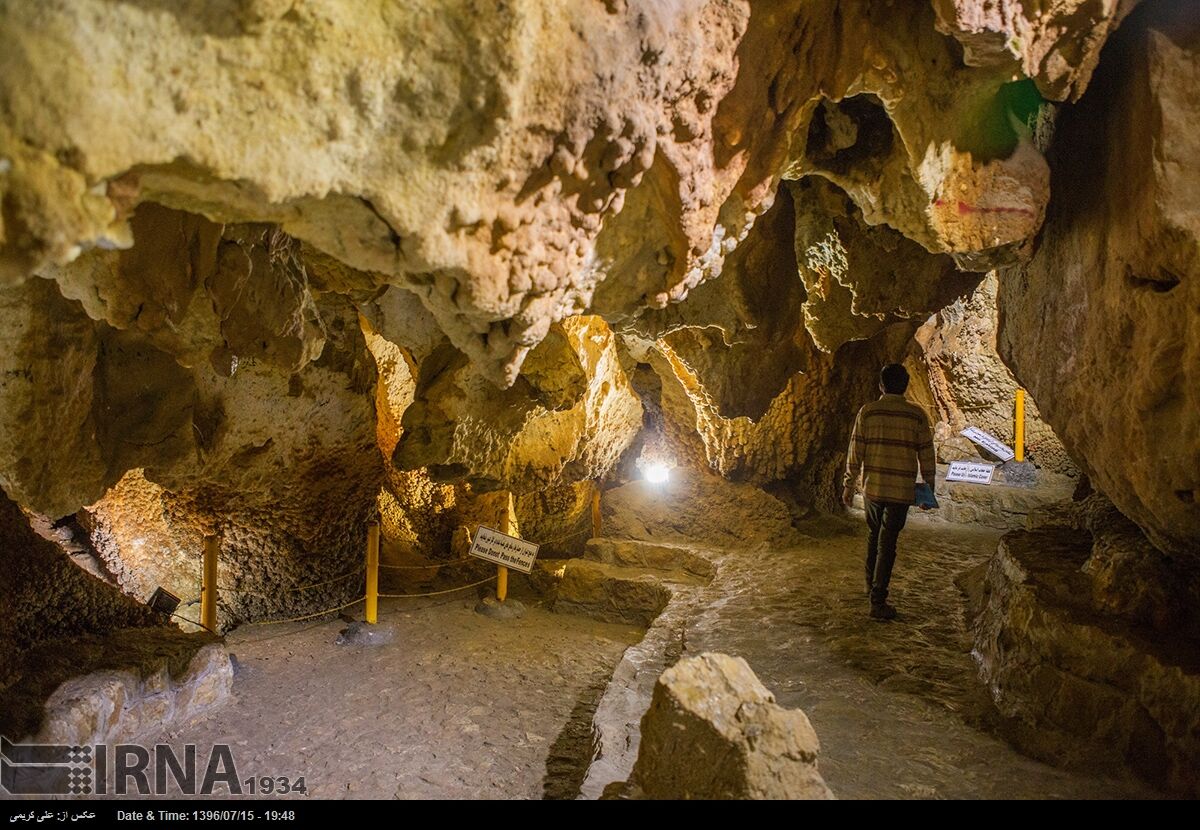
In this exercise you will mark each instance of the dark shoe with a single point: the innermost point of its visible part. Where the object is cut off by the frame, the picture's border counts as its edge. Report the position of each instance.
(883, 612)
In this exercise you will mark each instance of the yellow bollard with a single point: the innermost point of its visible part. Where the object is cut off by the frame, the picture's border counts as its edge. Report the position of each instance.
(501, 582)
(372, 609)
(508, 525)
(1019, 432)
(208, 583)
(596, 512)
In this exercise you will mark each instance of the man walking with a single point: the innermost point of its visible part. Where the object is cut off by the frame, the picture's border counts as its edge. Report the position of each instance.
(891, 439)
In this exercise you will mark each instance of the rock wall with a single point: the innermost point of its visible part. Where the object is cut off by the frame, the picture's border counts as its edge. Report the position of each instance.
(206, 377)
(752, 382)
(1079, 684)
(47, 596)
(860, 279)
(799, 444)
(1102, 324)
(162, 688)
(970, 386)
(569, 417)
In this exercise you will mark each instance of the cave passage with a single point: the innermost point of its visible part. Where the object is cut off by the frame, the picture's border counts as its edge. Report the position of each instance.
(471, 400)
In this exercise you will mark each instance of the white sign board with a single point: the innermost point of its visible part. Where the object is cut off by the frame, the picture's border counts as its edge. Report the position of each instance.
(971, 471)
(503, 549)
(990, 443)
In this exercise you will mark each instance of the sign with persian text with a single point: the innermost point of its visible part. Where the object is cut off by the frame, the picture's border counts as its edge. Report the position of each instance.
(990, 443)
(971, 471)
(503, 549)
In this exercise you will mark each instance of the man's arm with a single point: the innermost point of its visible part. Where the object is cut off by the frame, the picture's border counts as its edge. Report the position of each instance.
(925, 454)
(854, 461)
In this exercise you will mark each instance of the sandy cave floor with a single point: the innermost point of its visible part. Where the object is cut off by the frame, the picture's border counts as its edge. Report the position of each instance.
(464, 706)
(458, 705)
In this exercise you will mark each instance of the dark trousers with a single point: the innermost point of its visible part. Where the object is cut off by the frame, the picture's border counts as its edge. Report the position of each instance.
(885, 520)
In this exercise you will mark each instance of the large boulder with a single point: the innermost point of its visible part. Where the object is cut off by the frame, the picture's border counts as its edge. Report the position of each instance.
(713, 731)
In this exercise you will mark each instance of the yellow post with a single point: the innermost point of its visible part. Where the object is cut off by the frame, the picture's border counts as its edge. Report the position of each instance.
(208, 583)
(596, 512)
(501, 582)
(373, 573)
(1019, 432)
(508, 525)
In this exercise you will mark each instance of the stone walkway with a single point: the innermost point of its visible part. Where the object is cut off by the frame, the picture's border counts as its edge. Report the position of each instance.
(897, 706)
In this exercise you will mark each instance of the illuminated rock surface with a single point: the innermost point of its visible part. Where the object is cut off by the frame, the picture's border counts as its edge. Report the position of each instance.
(714, 731)
(275, 270)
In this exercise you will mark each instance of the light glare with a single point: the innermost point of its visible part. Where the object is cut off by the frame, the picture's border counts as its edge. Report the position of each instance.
(657, 473)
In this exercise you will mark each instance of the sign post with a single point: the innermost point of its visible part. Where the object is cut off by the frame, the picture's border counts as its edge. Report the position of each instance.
(372, 607)
(504, 550)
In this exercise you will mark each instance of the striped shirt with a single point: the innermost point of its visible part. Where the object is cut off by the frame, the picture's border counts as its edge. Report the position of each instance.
(891, 439)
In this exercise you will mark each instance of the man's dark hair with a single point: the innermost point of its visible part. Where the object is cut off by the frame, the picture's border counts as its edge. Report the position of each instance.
(894, 378)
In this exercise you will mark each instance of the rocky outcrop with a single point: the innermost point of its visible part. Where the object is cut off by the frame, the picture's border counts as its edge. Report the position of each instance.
(610, 593)
(1014, 35)
(119, 706)
(860, 279)
(668, 559)
(1129, 577)
(694, 506)
(1079, 684)
(570, 415)
(438, 152)
(48, 597)
(114, 687)
(1101, 325)
(970, 386)
(713, 731)
(628, 581)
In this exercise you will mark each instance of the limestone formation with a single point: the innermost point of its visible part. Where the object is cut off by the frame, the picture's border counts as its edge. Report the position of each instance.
(46, 596)
(970, 386)
(713, 731)
(627, 580)
(799, 443)
(119, 706)
(1025, 38)
(723, 330)
(1080, 684)
(696, 506)
(859, 279)
(569, 416)
(1101, 325)
(444, 150)
(608, 593)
